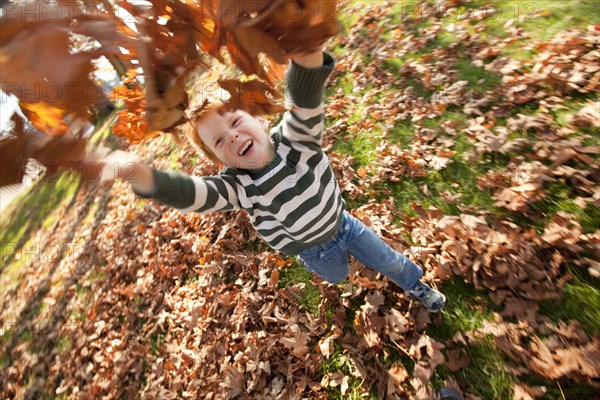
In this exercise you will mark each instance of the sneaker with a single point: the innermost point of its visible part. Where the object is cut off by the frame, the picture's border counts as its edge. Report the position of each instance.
(431, 298)
(447, 393)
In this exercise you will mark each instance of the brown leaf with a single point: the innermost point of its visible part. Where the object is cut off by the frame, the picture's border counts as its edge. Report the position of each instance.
(517, 198)
(525, 392)
(369, 327)
(457, 359)
(326, 345)
(297, 343)
(397, 375)
(498, 141)
(564, 231)
(373, 301)
(252, 96)
(589, 115)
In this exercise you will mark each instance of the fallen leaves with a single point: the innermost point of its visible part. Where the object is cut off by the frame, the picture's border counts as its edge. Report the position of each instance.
(558, 355)
(516, 198)
(497, 141)
(195, 306)
(496, 257)
(569, 61)
(589, 115)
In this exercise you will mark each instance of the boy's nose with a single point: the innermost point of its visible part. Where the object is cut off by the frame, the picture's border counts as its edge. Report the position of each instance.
(234, 136)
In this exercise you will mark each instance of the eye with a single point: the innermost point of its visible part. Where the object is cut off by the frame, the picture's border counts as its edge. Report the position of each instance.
(236, 122)
(218, 142)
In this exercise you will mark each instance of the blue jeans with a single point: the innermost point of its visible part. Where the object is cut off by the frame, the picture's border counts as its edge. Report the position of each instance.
(330, 259)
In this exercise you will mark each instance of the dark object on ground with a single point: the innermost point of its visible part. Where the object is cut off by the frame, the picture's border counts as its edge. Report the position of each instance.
(447, 393)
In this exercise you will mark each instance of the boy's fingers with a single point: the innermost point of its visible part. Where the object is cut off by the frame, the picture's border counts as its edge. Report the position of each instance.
(91, 164)
(107, 175)
(97, 154)
(95, 165)
(106, 166)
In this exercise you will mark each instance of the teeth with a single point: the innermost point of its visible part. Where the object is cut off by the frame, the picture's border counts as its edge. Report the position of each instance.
(245, 148)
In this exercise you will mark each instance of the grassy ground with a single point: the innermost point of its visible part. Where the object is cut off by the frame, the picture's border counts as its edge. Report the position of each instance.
(468, 309)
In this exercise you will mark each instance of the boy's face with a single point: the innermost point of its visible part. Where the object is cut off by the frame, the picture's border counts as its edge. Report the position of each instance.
(238, 139)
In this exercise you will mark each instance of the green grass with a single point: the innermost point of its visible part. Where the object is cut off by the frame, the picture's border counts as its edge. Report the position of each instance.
(478, 78)
(296, 274)
(157, 341)
(589, 218)
(32, 208)
(560, 198)
(362, 147)
(31, 211)
(459, 177)
(466, 310)
(394, 64)
(338, 362)
(542, 19)
(545, 18)
(486, 373)
(103, 131)
(39, 208)
(63, 343)
(402, 133)
(580, 302)
(470, 310)
(572, 106)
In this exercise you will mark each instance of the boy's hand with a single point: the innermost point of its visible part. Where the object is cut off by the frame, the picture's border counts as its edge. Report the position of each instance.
(106, 167)
(310, 60)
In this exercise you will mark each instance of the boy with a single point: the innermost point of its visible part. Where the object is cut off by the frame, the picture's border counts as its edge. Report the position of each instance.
(283, 181)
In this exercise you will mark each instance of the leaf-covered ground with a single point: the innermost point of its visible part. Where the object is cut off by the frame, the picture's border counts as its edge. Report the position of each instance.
(466, 135)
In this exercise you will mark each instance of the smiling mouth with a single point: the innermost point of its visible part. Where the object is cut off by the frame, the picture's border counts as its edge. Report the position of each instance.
(245, 148)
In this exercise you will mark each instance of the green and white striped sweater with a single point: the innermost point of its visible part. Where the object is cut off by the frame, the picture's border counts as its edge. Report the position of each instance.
(294, 202)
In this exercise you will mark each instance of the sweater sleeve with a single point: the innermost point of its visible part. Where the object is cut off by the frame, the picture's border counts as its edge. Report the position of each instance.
(305, 86)
(191, 193)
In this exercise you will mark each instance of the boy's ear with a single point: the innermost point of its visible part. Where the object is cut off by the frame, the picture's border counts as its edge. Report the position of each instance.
(263, 122)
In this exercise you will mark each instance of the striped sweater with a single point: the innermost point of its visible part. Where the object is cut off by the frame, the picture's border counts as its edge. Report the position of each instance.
(294, 202)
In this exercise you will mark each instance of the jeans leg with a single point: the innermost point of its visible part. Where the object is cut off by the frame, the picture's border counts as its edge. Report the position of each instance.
(370, 250)
(327, 260)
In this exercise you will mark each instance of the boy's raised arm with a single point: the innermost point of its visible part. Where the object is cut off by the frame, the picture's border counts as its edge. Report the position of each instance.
(306, 77)
(183, 192)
